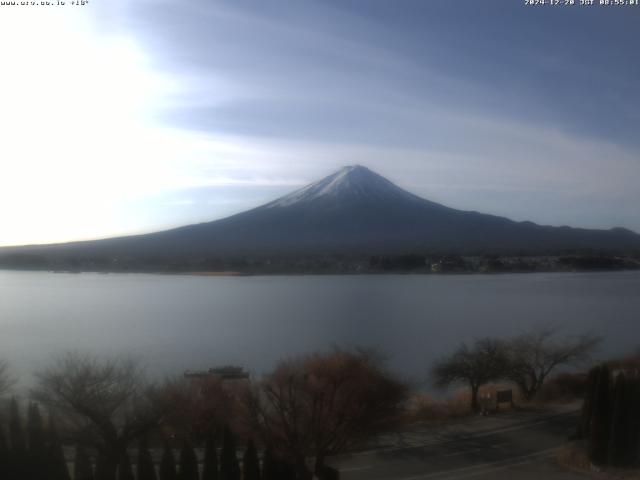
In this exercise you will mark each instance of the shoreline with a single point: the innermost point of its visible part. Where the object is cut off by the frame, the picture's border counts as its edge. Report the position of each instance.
(234, 273)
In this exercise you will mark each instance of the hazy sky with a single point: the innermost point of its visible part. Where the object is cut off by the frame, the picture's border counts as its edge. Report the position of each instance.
(125, 116)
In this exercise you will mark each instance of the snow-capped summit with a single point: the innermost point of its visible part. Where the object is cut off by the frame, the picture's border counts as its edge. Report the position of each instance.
(350, 183)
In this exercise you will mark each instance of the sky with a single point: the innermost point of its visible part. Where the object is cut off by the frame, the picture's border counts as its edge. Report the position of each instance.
(129, 116)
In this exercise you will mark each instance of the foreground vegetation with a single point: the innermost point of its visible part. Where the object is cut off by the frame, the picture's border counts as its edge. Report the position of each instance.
(115, 424)
(607, 441)
(308, 408)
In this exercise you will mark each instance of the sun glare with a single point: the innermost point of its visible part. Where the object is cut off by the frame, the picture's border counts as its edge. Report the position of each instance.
(76, 111)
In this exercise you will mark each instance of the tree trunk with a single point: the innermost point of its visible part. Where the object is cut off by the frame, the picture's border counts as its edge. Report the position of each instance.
(303, 470)
(587, 406)
(106, 468)
(474, 397)
(527, 387)
(107, 463)
(528, 393)
(319, 465)
(601, 420)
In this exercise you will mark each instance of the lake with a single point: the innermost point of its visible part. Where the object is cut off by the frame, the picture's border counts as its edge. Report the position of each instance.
(178, 322)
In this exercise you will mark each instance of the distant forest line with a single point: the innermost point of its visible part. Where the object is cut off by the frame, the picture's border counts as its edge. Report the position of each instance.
(328, 264)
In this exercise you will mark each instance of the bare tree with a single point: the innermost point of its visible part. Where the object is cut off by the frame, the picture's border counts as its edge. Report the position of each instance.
(197, 407)
(534, 355)
(482, 362)
(323, 404)
(107, 401)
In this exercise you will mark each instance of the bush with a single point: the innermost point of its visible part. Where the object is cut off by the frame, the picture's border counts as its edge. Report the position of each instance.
(564, 387)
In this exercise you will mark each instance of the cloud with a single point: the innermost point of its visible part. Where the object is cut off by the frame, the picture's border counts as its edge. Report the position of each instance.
(179, 203)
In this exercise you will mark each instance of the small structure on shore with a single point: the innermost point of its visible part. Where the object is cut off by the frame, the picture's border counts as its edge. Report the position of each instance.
(224, 373)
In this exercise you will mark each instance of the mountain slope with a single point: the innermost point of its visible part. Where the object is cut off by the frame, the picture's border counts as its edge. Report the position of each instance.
(353, 211)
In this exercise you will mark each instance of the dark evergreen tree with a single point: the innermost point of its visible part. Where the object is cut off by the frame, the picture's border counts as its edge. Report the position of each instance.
(5, 461)
(269, 466)
(36, 434)
(251, 462)
(626, 424)
(56, 462)
(188, 462)
(103, 468)
(286, 470)
(601, 418)
(16, 433)
(82, 465)
(210, 467)
(618, 449)
(587, 405)
(145, 468)
(329, 473)
(125, 472)
(168, 464)
(634, 421)
(36, 460)
(229, 466)
(4, 445)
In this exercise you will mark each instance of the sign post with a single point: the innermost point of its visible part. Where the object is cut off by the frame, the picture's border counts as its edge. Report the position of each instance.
(504, 396)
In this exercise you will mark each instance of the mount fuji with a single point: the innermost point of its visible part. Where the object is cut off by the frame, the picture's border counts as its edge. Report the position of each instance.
(351, 212)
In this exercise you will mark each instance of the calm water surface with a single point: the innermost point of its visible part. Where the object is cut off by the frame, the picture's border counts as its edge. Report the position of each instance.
(173, 322)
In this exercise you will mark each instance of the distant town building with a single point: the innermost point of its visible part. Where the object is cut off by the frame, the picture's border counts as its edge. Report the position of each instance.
(449, 264)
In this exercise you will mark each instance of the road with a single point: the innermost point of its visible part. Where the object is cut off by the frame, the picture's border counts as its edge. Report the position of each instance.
(514, 445)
